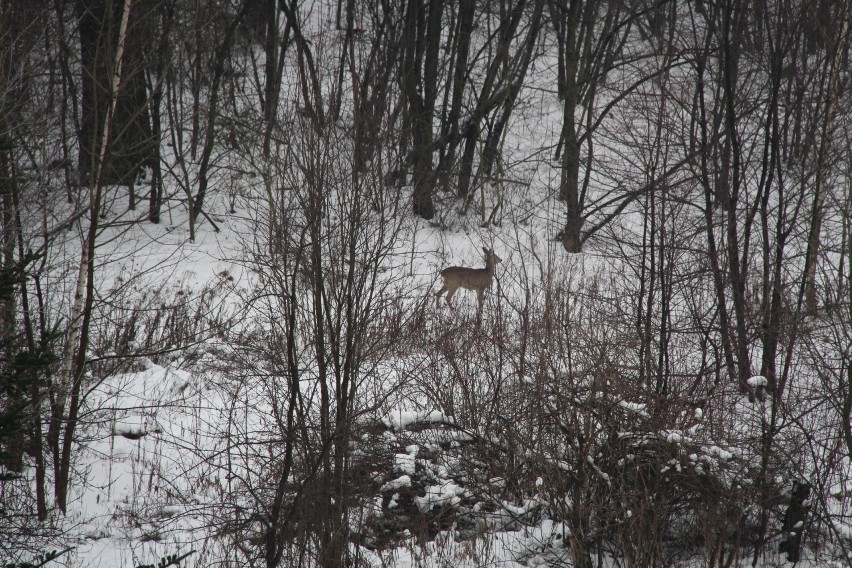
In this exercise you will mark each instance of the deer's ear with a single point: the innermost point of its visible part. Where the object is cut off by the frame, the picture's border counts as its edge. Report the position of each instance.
(486, 251)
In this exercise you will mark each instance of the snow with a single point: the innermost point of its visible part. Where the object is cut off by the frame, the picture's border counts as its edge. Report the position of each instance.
(401, 419)
(444, 493)
(405, 463)
(674, 437)
(398, 483)
(154, 428)
(720, 453)
(139, 459)
(635, 407)
(758, 381)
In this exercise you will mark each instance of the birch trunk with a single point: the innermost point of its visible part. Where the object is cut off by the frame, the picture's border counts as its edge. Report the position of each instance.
(74, 358)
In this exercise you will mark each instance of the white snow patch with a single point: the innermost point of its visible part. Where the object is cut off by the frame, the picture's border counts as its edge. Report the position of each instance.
(405, 463)
(444, 493)
(758, 381)
(399, 482)
(637, 407)
(403, 418)
(722, 454)
(674, 437)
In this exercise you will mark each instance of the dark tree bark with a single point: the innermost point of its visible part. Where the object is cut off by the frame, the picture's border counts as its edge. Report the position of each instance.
(794, 521)
(589, 37)
(275, 46)
(513, 89)
(450, 130)
(834, 34)
(491, 96)
(23, 354)
(419, 78)
(157, 61)
(372, 85)
(131, 142)
(733, 22)
(13, 394)
(569, 185)
(313, 107)
(223, 52)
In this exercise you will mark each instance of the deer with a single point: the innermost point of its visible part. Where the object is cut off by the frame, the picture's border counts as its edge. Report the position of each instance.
(478, 279)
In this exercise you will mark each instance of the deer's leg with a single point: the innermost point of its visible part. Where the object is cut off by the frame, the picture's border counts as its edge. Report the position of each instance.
(450, 298)
(480, 297)
(438, 295)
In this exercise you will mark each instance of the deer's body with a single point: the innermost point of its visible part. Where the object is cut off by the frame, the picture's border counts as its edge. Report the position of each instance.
(477, 279)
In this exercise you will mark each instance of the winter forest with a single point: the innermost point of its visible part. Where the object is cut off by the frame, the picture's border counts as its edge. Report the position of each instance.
(425, 283)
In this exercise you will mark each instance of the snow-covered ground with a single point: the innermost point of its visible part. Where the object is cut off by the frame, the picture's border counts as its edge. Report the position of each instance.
(147, 481)
(166, 441)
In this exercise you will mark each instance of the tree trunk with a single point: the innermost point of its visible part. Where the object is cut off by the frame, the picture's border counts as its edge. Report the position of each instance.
(794, 521)
(490, 96)
(569, 186)
(829, 123)
(423, 35)
(223, 51)
(131, 143)
(450, 136)
(275, 48)
(78, 337)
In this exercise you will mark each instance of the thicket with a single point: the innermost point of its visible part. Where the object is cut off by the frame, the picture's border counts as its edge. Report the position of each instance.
(661, 373)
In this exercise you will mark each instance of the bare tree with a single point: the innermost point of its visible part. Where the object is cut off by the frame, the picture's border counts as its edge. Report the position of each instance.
(419, 82)
(131, 140)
